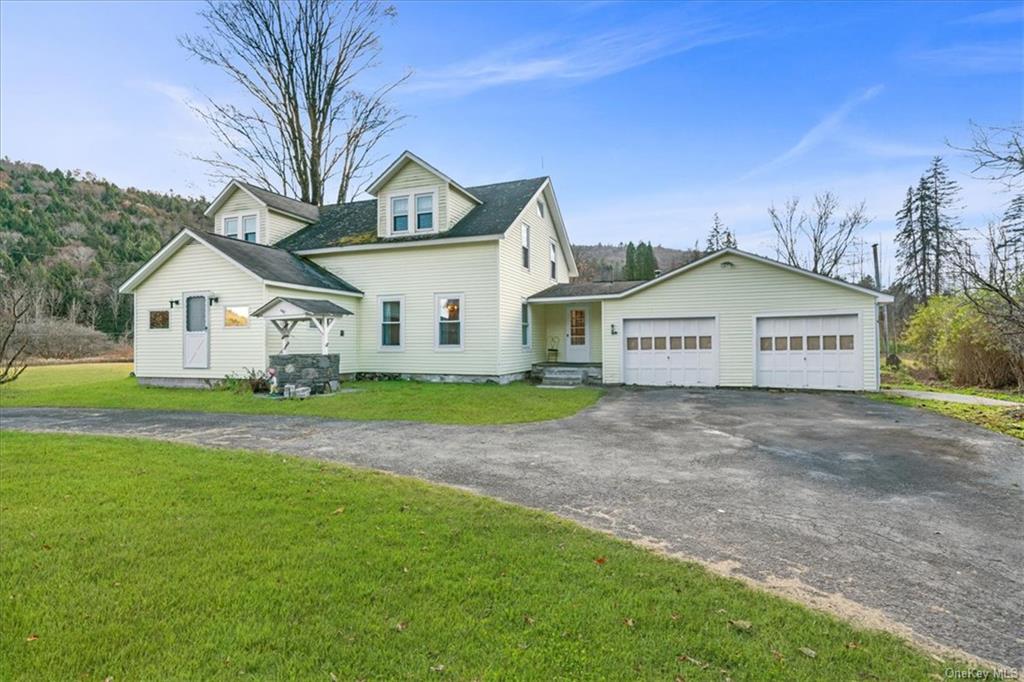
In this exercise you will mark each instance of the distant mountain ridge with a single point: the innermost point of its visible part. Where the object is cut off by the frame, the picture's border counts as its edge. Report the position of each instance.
(605, 262)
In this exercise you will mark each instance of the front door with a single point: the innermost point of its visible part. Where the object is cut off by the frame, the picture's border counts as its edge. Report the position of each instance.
(577, 336)
(197, 332)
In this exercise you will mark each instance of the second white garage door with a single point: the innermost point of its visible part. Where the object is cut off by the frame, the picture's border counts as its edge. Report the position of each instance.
(810, 352)
(671, 352)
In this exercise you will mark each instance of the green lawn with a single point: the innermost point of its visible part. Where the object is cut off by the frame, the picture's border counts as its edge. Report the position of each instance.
(1006, 420)
(108, 385)
(132, 559)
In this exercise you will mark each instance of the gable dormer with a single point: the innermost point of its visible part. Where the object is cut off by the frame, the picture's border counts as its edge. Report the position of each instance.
(250, 213)
(416, 199)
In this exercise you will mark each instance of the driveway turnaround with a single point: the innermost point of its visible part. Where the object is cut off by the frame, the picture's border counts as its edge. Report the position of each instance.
(886, 515)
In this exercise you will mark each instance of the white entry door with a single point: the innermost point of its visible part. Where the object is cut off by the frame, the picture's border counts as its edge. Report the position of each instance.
(671, 352)
(197, 332)
(577, 335)
(823, 351)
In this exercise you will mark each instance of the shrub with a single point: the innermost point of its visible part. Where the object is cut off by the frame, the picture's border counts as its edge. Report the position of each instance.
(950, 337)
(63, 340)
(249, 381)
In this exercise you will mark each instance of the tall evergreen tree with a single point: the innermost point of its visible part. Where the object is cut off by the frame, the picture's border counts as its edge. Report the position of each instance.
(629, 270)
(928, 231)
(720, 236)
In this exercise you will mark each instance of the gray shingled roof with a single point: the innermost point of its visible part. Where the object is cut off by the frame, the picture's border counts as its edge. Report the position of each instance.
(316, 306)
(285, 204)
(356, 222)
(276, 264)
(586, 289)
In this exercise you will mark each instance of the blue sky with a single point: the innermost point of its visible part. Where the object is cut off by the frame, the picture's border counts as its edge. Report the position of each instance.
(649, 117)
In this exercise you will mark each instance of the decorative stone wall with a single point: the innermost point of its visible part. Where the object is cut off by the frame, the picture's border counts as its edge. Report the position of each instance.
(318, 373)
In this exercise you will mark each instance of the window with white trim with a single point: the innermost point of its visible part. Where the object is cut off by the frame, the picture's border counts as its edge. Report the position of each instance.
(391, 322)
(449, 320)
(399, 215)
(554, 260)
(525, 324)
(245, 227)
(412, 211)
(525, 237)
(424, 212)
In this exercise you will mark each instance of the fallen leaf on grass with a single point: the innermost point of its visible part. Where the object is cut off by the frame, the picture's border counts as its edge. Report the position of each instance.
(744, 625)
(600, 561)
(401, 625)
(439, 668)
(32, 638)
(809, 653)
(339, 510)
(777, 655)
(528, 620)
(674, 616)
(629, 622)
(852, 645)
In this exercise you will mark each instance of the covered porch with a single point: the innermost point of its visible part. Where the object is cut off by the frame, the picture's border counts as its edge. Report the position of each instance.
(572, 342)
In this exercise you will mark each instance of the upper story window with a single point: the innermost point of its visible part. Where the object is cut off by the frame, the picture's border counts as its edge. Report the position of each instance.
(241, 227)
(526, 246)
(541, 208)
(413, 210)
(554, 260)
(424, 211)
(400, 214)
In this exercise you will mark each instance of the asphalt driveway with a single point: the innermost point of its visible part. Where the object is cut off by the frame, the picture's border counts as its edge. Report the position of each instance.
(891, 516)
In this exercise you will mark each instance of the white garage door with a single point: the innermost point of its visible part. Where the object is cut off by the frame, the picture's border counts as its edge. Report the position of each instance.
(810, 352)
(671, 352)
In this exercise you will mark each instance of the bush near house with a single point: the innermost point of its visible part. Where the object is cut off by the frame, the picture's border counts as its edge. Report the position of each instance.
(952, 339)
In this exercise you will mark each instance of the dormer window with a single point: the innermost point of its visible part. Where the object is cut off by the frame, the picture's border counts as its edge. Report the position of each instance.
(400, 214)
(241, 227)
(412, 211)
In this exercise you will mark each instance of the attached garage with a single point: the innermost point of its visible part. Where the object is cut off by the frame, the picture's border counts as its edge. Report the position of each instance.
(731, 319)
(671, 352)
(821, 351)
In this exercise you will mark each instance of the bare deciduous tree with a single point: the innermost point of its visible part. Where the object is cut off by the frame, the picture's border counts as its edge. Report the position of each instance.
(998, 153)
(299, 61)
(14, 306)
(819, 240)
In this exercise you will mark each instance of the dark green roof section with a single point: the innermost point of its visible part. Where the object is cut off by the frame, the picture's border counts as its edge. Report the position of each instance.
(276, 264)
(573, 289)
(356, 222)
(307, 212)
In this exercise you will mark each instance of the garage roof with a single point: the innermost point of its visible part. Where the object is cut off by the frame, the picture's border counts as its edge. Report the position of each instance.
(566, 292)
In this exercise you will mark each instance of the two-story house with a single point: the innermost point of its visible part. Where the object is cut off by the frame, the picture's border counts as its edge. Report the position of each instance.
(435, 280)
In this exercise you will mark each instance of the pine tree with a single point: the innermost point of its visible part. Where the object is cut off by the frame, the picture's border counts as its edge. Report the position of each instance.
(629, 270)
(646, 261)
(912, 257)
(720, 237)
(941, 200)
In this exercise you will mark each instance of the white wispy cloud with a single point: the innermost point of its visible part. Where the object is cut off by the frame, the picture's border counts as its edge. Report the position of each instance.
(176, 93)
(820, 132)
(975, 58)
(572, 58)
(1004, 15)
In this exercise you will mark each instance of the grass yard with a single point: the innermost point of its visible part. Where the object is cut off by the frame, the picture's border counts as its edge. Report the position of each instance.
(1006, 420)
(143, 560)
(109, 385)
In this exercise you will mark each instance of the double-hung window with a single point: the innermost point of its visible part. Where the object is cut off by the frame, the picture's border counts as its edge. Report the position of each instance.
(391, 323)
(424, 211)
(400, 215)
(241, 227)
(449, 321)
(525, 324)
(553, 253)
(526, 246)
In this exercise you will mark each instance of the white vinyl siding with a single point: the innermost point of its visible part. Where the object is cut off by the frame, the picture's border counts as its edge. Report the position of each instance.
(197, 268)
(738, 295)
(280, 226)
(418, 272)
(519, 283)
(458, 206)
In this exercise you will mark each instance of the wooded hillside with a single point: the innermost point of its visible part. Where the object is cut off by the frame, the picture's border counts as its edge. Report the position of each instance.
(74, 238)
